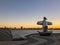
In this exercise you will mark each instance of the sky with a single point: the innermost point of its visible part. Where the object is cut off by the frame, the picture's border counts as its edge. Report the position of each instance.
(26, 13)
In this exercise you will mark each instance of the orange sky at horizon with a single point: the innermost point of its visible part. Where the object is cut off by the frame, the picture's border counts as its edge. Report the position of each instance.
(29, 25)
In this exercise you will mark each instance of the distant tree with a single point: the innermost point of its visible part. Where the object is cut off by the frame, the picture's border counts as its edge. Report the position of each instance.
(5, 27)
(14, 27)
(21, 27)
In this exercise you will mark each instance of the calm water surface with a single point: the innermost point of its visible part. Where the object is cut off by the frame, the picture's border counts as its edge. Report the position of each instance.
(22, 33)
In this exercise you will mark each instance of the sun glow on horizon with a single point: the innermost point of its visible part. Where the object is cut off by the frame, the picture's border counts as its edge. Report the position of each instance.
(29, 26)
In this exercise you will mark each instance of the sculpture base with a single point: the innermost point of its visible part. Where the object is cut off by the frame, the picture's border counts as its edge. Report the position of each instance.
(48, 33)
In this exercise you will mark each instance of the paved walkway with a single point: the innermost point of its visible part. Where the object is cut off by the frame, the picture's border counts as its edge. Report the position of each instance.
(36, 40)
(43, 40)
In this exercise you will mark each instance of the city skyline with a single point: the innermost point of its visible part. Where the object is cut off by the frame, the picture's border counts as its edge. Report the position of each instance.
(26, 13)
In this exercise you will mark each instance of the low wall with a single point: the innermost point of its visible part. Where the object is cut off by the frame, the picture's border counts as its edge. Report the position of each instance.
(5, 35)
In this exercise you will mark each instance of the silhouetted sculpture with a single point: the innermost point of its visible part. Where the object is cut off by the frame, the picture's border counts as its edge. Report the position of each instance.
(44, 24)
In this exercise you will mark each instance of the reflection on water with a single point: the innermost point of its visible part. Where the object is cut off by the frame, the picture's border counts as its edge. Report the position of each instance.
(22, 33)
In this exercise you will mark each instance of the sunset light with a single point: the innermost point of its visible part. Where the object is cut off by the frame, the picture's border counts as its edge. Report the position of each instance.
(26, 13)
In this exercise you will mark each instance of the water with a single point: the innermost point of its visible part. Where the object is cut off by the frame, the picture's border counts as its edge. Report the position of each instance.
(22, 33)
